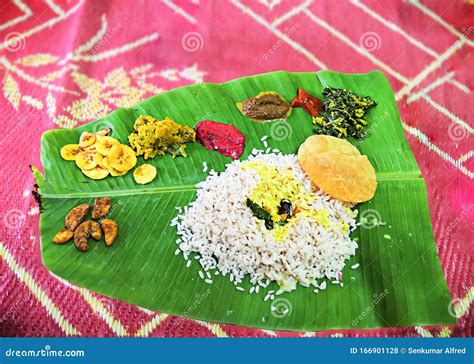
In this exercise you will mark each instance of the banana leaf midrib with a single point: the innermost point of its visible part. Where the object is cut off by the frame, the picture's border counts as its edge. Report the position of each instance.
(385, 176)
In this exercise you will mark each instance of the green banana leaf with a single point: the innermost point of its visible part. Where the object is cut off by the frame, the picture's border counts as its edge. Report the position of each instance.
(399, 281)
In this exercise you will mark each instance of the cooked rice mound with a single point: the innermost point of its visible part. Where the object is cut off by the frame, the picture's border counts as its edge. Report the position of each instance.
(226, 235)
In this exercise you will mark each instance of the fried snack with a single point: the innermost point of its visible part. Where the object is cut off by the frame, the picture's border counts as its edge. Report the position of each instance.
(104, 132)
(92, 155)
(85, 160)
(101, 208)
(86, 139)
(70, 151)
(99, 159)
(144, 174)
(81, 236)
(105, 162)
(63, 236)
(114, 173)
(95, 230)
(349, 178)
(91, 149)
(336, 166)
(122, 158)
(96, 173)
(317, 144)
(76, 216)
(104, 144)
(325, 143)
(110, 229)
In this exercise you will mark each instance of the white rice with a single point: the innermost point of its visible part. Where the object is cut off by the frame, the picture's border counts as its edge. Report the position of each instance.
(228, 237)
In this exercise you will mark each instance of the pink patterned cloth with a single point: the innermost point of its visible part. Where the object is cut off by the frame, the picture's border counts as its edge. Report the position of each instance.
(63, 63)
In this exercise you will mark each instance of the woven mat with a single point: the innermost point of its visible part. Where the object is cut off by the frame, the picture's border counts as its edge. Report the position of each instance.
(65, 63)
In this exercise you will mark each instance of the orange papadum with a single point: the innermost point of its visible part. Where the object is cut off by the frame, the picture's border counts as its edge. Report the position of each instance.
(337, 167)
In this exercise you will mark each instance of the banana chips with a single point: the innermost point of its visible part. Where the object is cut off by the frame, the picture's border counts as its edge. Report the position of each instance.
(98, 155)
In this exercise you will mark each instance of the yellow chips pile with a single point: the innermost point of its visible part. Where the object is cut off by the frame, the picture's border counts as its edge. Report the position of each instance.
(337, 167)
(98, 155)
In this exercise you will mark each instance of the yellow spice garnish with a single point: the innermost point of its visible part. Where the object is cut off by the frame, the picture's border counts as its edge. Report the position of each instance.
(274, 186)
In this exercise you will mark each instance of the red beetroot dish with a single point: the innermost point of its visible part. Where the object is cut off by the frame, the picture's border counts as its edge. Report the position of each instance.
(223, 138)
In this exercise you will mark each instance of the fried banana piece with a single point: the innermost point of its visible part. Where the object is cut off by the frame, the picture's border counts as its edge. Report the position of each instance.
(104, 132)
(81, 236)
(95, 230)
(76, 216)
(63, 236)
(110, 229)
(101, 208)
